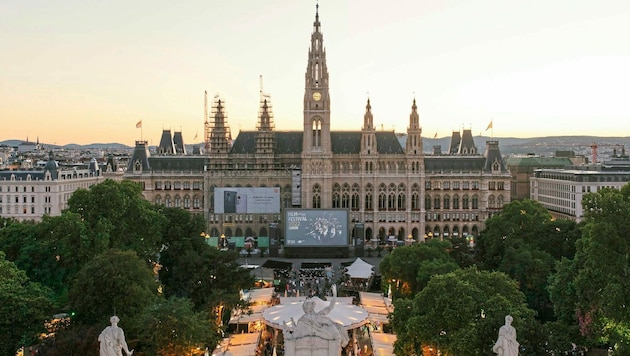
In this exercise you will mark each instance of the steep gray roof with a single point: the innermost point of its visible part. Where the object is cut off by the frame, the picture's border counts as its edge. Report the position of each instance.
(342, 142)
(454, 163)
(177, 163)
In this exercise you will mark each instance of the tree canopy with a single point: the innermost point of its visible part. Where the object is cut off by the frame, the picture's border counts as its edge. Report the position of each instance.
(460, 312)
(24, 306)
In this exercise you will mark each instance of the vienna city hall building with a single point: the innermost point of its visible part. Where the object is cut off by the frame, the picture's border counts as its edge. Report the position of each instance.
(386, 181)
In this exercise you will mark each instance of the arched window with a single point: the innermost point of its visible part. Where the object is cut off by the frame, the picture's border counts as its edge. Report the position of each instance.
(317, 132)
(436, 202)
(317, 200)
(475, 202)
(335, 200)
(369, 199)
(415, 201)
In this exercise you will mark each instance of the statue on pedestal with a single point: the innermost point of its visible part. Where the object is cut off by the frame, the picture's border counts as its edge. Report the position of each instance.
(506, 344)
(112, 340)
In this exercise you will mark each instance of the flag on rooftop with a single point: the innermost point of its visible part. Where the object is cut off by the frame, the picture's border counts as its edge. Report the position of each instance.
(139, 124)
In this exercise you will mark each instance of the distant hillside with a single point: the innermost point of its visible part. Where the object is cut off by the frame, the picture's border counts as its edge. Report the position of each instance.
(73, 146)
(545, 146)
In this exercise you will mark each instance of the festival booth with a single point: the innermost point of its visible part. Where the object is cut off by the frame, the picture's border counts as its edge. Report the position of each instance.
(239, 345)
(382, 344)
(250, 319)
(377, 306)
(359, 275)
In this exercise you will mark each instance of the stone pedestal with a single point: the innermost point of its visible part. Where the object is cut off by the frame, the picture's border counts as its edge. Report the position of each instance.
(311, 346)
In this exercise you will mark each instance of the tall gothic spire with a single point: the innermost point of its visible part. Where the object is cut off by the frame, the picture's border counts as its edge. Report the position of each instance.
(414, 118)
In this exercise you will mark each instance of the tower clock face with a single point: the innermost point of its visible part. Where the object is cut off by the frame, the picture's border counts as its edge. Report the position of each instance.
(317, 96)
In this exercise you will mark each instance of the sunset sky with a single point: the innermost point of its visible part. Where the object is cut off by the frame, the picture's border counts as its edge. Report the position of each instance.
(87, 71)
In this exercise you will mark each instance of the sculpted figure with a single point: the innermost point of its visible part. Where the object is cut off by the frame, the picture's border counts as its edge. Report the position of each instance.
(112, 340)
(506, 344)
(318, 324)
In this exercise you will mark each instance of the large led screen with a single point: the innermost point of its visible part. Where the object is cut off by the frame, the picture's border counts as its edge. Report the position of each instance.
(316, 227)
(246, 200)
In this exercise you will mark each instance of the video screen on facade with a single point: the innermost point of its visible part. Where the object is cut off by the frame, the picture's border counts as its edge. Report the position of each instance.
(247, 200)
(316, 227)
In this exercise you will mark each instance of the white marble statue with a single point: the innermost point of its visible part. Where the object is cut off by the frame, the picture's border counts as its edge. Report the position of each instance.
(315, 333)
(112, 340)
(506, 344)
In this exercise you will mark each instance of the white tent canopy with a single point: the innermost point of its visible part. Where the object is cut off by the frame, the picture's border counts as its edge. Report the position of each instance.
(239, 345)
(383, 344)
(376, 306)
(360, 269)
(345, 313)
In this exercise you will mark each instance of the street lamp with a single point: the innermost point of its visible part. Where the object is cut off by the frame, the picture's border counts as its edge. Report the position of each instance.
(409, 239)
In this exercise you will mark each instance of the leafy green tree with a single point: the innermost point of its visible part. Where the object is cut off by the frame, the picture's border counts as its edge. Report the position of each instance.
(210, 278)
(460, 313)
(117, 213)
(24, 306)
(412, 266)
(602, 263)
(525, 242)
(172, 327)
(114, 282)
(34, 253)
(190, 268)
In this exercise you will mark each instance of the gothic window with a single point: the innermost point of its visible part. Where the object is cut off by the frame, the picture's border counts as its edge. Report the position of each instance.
(465, 202)
(496, 166)
(355, 201)
(158, 200)
(475, 202)
(500, 185)
(415, 201)
(355, 197)
(167, 201)
(456, 202)
(491, 202)
(317, 132)
(427, 202)
(369, 199)
(391, 200)
(436, 202)
(427, 184)
(177, 201)
(317, 200)
(368, 202)
(401, 202)
(187, 202)
(447, 202)
(137, 166)
(345, 200)
(465, 185)
(382, 201)
(196, 202)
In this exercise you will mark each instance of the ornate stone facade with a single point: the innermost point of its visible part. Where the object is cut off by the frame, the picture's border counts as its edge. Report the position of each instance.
(386, 180)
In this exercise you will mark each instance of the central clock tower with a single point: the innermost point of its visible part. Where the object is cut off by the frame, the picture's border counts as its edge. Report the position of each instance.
(316, 97)
(316, 175)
